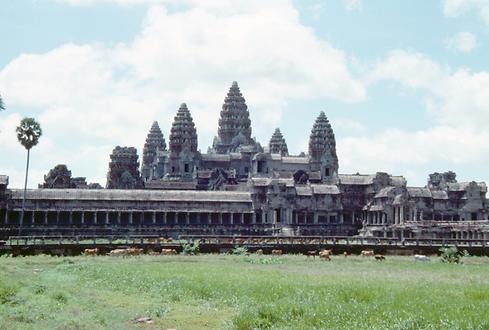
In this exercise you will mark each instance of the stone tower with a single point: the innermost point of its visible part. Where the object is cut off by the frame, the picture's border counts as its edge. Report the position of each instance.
(234, 123)
(154, 142)
(277, 144)
(183, 144)
(322, 149)
(124, 169)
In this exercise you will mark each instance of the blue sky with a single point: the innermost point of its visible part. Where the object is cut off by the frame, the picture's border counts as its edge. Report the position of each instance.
(404, 83)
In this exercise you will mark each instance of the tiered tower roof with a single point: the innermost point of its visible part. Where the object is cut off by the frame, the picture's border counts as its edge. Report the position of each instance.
(277, 144)
(234, 122)
(183, 135)
(322, 139)
(155, 141)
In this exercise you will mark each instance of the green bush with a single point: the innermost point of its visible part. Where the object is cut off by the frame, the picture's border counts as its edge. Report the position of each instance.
(7, 292)
(191, 248)
(452, 255)
(239, 250)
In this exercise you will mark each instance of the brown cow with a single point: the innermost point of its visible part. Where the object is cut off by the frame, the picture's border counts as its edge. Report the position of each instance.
(325, 255)
(367, 253)
(259, 252)
(379, 257)
(91, 252)
(276, 252)
(168, 252)
(154, 253)
(345, 254)
(134, 251)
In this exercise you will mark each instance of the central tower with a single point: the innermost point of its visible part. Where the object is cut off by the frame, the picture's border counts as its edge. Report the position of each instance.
(234, 123)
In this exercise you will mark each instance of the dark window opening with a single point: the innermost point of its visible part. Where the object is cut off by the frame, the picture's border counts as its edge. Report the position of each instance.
(326, 171)
(260, 166)
(474, 215)
(246, 169)
(186, 168)
(173, 169)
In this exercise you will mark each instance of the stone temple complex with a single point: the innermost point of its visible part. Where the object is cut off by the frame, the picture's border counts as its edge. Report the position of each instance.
(242, 187)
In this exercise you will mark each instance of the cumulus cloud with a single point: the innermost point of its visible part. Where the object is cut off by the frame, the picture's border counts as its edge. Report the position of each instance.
(455, 8)
(459, 105)
(354, 4)
(463, 42)
(91, 97)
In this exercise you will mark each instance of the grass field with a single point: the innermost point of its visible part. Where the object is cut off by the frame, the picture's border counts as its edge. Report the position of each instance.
(239, 292)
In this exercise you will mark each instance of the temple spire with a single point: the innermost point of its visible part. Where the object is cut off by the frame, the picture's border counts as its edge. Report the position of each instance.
(154, 142)
(183, 134)
(234, 123)
(277, 144)
(322, 148)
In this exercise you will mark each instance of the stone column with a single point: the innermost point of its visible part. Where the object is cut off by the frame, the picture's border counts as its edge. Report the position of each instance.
(241, 218)
(296, 216)
(315, 218)
(57, 217)
(82, 217)
(187, 218)
(46, 217)
(130, 217)
(154, 218)
(95, 218)
(231, 218)
(342, 219)
(209, 218)
(401, 215)
(199, 218)
(119, 218)
(32, 216)
(220, 218)
(253, 218)
(70, 218)
(164, 218)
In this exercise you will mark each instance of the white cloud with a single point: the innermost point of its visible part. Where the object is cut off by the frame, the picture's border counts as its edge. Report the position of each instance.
(354, 4)
(458, 101)
(455, 8)
(463, 42)
(92, 97)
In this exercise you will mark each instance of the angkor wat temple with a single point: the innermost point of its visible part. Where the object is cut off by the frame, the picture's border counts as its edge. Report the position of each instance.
(242, 187)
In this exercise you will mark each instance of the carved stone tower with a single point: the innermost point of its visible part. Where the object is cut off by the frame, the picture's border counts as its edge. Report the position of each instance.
(183, 144)
(322, 149)
(234, 123)
(124, 169)
(277, 144)
(154, 142)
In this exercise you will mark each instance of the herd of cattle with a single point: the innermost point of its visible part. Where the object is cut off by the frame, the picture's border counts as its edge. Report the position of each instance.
(322, 254)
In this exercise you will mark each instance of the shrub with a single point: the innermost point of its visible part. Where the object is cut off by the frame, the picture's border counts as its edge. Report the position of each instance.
(191, 248)
(239, 250)
(7, 292)
(452, 255)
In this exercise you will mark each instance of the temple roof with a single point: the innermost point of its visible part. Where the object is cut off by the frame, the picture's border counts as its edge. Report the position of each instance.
(419, 192)
(132, 195)
(356, 179)
(4, 180)
(183, 133)
(277, 144)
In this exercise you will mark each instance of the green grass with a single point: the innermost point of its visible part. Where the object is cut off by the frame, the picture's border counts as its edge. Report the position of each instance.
(242, 292)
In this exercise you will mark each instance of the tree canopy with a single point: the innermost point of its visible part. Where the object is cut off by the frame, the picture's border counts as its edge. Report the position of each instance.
(28, 132)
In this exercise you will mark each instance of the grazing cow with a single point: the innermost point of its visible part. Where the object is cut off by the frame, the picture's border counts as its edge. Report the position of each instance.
(367, 253)
(91, 252)
(259, 252)
(154, 253)
(168, 252)
(118, 253)
(134, 251)
(325, 255)
(421, 257)
(345, 254)
(312, 254)
(276, 252)
(379, 257)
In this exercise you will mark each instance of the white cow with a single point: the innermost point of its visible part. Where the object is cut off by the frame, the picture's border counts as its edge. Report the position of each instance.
(421, 257)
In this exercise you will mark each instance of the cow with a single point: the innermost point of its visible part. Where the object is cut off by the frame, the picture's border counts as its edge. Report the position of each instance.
(118, 253)
(154, 253)
(91, 252)
(134, 251)
(312, 254)
(367, 253)
(421, 257)
(259, 252)
(345, 254)
(276, 252)
(379, 257)
(168, 252)
(325, 255)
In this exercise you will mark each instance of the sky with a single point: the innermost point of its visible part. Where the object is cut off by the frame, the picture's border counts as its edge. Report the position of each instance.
(405, 84)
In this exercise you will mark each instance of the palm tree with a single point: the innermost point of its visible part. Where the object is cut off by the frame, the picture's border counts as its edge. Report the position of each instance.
(28, 134)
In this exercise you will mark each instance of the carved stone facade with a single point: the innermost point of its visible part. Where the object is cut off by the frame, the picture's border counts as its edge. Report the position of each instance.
(240, 187)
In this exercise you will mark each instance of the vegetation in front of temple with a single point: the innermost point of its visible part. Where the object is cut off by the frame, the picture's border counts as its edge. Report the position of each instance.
(242, 292)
